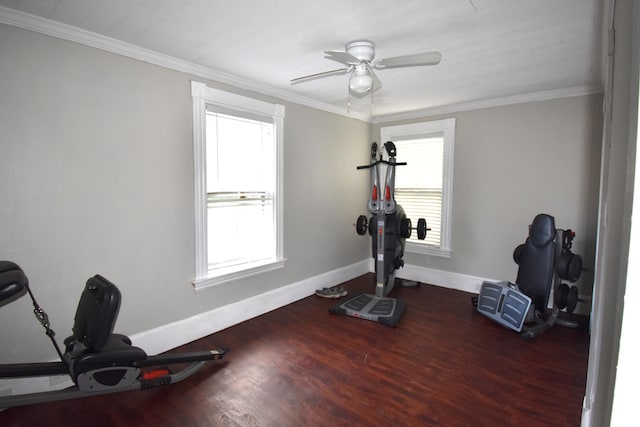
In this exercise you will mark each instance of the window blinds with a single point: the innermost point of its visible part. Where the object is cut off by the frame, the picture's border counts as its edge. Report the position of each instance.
(419, 184)
(240, 189)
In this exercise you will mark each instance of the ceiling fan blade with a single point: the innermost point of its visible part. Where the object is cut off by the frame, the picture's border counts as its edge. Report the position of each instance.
(319, 75)
(425, 58)
(342, 57)
(376, 81)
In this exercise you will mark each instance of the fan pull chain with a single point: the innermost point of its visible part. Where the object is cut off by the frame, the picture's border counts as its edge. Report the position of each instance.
(371, 106)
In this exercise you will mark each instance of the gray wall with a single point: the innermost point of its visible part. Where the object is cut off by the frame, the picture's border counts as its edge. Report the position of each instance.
(510, 163)
(96, 176)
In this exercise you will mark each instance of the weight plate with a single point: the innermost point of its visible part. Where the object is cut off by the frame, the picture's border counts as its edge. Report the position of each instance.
(562, 294)
(361, 225)
(572, 299)
(405, 227)
(422, 228)
(517, 252)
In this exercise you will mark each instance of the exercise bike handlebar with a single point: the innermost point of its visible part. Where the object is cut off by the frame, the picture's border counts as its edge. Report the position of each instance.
(377, 162)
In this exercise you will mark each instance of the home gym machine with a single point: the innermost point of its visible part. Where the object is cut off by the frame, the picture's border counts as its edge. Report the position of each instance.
(97, 360)
(544, 260)
(388, 227)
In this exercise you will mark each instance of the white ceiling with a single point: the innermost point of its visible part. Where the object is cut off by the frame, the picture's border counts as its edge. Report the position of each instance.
(490, 49)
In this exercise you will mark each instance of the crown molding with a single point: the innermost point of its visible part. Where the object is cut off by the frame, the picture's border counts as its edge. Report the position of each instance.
(67, 32)
(488, 103)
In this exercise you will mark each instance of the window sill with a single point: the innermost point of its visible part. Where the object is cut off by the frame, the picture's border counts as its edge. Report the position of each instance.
(218, 277)
(418, 248)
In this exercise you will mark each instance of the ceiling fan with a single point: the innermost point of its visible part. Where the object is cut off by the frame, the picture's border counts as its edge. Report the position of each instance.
(359, 60)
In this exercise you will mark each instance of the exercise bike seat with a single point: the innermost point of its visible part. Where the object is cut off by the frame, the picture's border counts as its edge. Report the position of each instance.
(13, 282)
(536, 261)
(116, 351)
(93, 344)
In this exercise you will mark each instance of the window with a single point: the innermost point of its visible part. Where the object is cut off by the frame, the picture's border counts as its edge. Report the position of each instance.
(424, 186)
(238, 187)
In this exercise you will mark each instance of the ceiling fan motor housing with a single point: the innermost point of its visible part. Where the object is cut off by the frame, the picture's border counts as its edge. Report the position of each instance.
(364, 50)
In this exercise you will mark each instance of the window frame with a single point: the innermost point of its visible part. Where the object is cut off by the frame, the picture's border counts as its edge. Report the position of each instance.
(446, 127)
(202, 96)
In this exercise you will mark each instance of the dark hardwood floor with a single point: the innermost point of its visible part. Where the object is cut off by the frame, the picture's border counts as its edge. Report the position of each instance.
(444, 365)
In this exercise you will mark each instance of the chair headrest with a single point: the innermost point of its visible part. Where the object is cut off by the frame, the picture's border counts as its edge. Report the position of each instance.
(542, 230)
(13, 282)
(96, 313)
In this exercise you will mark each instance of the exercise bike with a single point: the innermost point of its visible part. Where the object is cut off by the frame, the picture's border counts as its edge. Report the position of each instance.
(389, 228)
(97, 360)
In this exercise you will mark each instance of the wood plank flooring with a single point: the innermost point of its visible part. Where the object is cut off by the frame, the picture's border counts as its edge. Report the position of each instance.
(444, 365)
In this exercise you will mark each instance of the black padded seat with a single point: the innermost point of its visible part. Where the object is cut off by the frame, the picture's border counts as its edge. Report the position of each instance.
(117, 351)
(537, 261)
(93, 344)
(97, 313)
(13, 282)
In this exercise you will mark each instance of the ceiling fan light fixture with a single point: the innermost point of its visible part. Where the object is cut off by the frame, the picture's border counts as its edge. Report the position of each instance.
(360, 82)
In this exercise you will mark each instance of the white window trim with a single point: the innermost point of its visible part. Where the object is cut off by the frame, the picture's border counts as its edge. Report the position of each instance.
(203, 95)
(417, 130)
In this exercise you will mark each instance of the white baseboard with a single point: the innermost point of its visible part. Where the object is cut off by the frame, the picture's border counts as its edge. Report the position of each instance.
(181, 332)
(467, 283)
(444, 279)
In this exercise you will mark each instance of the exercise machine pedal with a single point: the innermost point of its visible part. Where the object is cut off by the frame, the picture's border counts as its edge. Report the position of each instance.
(504, 303)
(384, 310)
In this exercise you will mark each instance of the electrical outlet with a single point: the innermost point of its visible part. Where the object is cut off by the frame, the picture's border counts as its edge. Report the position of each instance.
(58, 379)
